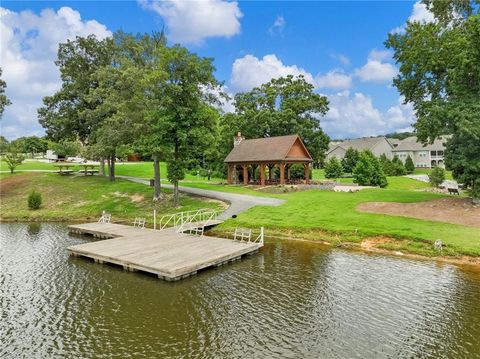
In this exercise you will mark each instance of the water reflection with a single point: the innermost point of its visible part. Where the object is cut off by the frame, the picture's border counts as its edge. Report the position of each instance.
(293, 299)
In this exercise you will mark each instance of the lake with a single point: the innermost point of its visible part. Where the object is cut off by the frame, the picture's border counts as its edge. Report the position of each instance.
(291, 300)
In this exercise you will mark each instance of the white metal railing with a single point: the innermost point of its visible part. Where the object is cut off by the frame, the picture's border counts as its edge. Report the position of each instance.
(245, 235)
(197, 222)
(180, 220)
(105, 218)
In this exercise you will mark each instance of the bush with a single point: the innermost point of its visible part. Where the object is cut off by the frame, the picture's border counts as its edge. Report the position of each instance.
(386, 164)
(333, 168)
(13, 160)
(349, 161)
(436, 176)
(409, 165)
(34, 200)
(368, 171)
(398, 169)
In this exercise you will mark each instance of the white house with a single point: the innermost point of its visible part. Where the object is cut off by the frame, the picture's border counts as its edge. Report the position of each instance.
(423, 156)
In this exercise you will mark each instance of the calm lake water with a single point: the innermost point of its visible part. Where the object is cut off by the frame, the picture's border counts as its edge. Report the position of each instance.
(292, 300)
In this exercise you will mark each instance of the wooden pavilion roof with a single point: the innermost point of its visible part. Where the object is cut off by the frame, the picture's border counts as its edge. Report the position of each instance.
(270, 149)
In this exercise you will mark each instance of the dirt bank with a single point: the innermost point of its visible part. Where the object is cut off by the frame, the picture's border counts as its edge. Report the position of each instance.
(450, 210)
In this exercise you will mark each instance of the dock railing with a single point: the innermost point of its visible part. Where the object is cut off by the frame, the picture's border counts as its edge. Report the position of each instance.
(181, 220)
(245, 235)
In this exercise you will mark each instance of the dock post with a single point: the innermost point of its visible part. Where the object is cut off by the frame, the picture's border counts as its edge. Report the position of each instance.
(154, 219)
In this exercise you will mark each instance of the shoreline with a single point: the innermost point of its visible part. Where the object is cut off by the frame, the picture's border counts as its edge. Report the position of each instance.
(366, 245)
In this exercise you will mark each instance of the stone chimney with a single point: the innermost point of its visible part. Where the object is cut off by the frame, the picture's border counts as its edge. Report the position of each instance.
(238, 139)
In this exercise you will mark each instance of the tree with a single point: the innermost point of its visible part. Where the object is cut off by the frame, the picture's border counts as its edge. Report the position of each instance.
(368, 171)
(4, 144)
(398, 169)
(349, 161)
(386, 164)
(182, 96)
(68, 114)
(440, 76)
(333, 168)
(13, 160)
(65, 148)
(34, 144)
(4, 101)
(409, 165)
(283, 106)
(436, 176)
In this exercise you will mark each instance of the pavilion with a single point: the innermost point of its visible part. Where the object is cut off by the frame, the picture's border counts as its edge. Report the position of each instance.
(282, 151)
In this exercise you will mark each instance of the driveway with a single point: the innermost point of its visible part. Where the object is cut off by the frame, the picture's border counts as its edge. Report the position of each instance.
(238, 202)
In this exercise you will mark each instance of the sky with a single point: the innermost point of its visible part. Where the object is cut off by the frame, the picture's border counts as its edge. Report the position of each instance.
(337, 46)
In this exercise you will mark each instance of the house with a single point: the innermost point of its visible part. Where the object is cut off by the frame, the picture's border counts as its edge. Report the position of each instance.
(282, 152)
(423, 156)
(378, 145)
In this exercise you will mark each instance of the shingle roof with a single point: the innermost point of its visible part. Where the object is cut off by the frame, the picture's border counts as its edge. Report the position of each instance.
(264, 149)
(411, 144)
(359, 144)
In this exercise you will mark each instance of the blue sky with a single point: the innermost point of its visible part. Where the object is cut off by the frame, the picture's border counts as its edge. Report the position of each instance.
(338, 46)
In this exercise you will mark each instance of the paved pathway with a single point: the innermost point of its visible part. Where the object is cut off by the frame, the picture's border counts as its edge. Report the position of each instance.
(238, 202)
(424, 178)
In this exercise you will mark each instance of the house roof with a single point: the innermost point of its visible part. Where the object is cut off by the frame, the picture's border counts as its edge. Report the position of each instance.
(267, 150)
(412, 144)
(393, 141)
(359, 144)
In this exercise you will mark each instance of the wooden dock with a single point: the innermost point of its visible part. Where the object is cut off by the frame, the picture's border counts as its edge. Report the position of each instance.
(167, 253)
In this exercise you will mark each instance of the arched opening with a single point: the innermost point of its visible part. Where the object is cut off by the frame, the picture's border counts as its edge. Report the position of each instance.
(434, 163)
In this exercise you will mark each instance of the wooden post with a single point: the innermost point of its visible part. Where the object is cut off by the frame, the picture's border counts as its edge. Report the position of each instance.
(270, 171)
(288, 171)
(262, 174)
(245, 174)
(229, 174)
(282, 173)
(307, 172)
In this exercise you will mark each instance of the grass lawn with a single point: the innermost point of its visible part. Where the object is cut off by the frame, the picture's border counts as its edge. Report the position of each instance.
(336, 213)
(83, 198)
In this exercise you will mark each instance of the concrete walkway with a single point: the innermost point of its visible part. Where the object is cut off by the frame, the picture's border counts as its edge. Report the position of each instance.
(238, 202)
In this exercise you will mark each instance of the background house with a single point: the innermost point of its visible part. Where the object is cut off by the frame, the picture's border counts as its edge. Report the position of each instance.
(378, 145)
(428, 156)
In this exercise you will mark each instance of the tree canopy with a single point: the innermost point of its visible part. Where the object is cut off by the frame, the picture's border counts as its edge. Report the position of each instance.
(4, 101)
(440, 75)
(283, 106)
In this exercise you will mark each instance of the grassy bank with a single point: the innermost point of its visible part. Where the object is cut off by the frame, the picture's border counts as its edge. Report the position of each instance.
(333, 217)
(78, 198)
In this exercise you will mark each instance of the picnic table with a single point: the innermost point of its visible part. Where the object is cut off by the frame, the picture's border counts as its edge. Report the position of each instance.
(64, 168)
(88, 169)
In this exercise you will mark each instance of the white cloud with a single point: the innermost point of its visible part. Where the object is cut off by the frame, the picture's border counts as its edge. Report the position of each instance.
(344, 60)
(420, 13)
(278, 26)
(29, 44)
(193, 21)
(334, 79)
(376, 70)
(250, 71)
(354, 115)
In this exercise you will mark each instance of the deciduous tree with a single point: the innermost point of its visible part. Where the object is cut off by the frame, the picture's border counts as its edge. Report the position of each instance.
(439, 74)
(4, 101)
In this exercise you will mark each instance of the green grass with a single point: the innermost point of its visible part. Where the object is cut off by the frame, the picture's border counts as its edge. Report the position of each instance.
(83, 198)
(336, 213)
(29, 165)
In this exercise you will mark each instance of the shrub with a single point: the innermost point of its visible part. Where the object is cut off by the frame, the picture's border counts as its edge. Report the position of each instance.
(409, 165)
(398, 169)
(368, 171)
(349, 161)
(386, 164)
(13, 160)
(34, 200)
(436, 176)
(333, 168)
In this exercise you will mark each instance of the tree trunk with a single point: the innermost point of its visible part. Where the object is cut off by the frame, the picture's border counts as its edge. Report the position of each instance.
(111, 173)
(108, 165)
(156, 175)
(101, 168)
(176, 201)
